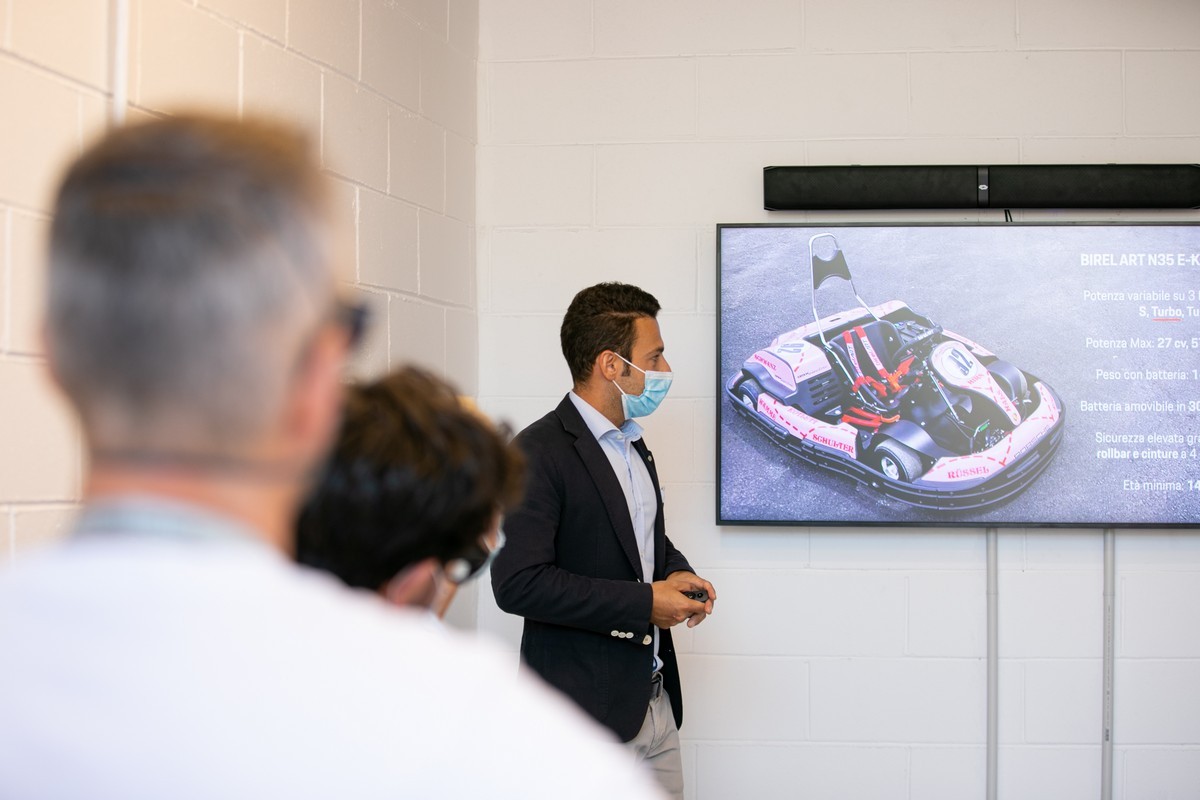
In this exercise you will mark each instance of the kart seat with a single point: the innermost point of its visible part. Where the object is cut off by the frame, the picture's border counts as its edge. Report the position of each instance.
(867, 354)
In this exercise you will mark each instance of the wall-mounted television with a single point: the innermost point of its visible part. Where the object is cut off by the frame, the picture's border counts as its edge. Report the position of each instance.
(1006, 374)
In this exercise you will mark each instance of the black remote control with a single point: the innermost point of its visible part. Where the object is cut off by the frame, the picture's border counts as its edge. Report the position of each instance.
(700, 596)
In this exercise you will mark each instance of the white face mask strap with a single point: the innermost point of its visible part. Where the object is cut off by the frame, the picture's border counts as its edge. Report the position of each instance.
(613, 381)
(630, 363)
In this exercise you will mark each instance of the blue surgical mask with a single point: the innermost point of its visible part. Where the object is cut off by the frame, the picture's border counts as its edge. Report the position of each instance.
(641, 405)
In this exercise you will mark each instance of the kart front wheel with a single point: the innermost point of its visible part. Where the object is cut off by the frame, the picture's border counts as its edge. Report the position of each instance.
(898, 462)
(747, 392)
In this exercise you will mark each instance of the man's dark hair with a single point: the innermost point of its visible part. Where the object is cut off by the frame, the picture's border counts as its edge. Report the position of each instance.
(600, 318)
(415, 473)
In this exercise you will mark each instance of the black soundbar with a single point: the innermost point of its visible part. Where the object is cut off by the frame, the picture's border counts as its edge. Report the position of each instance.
(996, 186)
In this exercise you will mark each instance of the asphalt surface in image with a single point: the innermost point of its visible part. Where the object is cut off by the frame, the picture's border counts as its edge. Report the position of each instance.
(1034, 296)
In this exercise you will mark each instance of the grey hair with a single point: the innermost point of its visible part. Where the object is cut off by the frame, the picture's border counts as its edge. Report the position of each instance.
(189, 262)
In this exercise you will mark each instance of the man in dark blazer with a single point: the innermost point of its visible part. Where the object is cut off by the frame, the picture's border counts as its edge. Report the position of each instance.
(587, 561)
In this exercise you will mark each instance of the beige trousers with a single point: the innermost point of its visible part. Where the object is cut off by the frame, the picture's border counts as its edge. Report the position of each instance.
(657, 743)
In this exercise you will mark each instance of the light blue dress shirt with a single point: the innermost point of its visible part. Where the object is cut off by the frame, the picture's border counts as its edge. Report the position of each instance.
(634, 477)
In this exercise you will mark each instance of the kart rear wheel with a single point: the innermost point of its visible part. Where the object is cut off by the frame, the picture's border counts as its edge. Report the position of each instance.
(898, 462)
(748, 391)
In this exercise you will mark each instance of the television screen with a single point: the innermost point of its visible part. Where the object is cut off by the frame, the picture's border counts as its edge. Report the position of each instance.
(966, 374)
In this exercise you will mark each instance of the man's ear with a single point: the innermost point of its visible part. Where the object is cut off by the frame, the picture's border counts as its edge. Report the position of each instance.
(315, 403)
(605, 366)
(415, 585)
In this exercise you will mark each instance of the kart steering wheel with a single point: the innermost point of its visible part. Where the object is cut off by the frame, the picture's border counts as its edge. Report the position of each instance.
(911, 346)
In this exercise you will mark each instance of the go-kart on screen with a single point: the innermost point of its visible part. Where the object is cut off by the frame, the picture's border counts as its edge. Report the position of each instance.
(998, 375)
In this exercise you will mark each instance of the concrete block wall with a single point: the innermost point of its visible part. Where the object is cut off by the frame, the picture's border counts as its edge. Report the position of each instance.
(609, 137)
(53, 80)
(386, 89)
(840, 663)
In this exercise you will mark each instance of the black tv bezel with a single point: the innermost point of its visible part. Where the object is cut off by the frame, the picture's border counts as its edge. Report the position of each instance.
(881, 523)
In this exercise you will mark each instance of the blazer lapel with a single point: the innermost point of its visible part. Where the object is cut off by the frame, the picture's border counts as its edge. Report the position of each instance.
(660, 534)
(600, 469)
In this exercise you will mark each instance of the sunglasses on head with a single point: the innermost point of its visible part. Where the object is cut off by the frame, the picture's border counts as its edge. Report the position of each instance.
(353, 318)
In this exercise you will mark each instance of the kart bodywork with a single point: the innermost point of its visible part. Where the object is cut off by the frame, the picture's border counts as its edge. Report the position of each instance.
(885, 395)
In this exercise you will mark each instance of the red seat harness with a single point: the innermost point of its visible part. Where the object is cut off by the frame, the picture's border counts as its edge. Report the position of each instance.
(887, 383)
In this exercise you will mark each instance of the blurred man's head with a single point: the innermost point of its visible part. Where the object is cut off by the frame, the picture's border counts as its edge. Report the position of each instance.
(414, 488)
(192, 317)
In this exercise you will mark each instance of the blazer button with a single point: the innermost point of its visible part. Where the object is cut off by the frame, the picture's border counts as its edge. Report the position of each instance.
(648, 639)
(615, 633)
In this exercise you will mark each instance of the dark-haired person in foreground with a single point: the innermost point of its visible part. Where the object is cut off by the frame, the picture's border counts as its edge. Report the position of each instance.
(410, 500)
(588, 563)
(170, 647)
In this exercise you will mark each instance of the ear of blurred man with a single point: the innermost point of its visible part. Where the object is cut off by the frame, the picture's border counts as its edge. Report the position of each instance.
(416, 585)
(314, 403)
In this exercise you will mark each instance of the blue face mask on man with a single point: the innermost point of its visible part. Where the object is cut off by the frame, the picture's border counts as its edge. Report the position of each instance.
(641, 405)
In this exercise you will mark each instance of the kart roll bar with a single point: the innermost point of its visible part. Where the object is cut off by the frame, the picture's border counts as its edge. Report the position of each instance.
(823, 270)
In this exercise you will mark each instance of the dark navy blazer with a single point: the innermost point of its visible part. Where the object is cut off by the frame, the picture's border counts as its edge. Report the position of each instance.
(570, 567)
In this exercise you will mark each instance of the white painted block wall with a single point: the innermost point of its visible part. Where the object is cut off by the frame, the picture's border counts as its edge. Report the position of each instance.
(386, 89)
(840, 663)
(612, 135)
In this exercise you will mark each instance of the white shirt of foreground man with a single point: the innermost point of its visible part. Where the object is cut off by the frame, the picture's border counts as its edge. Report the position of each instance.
(173, 655)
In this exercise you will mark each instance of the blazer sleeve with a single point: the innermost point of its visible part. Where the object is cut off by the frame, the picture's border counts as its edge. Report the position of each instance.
(526, 578)
(676, 561)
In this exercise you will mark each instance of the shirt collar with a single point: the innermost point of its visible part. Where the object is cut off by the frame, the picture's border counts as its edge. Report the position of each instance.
(162, 517)
(600, 425)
